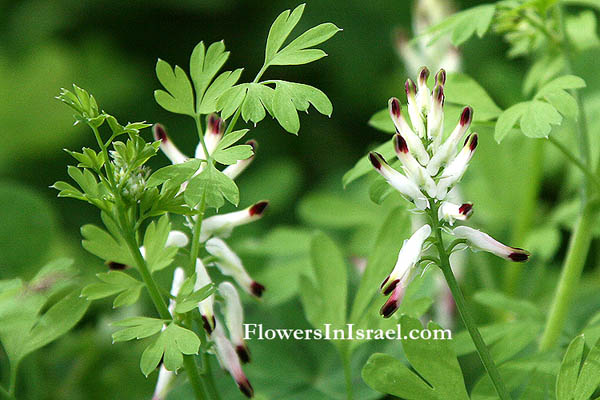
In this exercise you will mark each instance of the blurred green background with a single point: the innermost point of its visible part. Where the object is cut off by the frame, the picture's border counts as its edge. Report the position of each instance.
(110, 48)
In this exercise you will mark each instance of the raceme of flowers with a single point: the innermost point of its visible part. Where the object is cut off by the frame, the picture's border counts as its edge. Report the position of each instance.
(231, 351)
(431, 167)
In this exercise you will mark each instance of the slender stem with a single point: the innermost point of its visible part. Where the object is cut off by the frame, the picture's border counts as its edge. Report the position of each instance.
(575, 260)
(191, 368)
(461, 305)
(4, 394)
(346, 362)
(12, 386)
(578, 163)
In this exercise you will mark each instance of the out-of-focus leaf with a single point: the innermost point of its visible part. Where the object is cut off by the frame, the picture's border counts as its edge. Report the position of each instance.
(114, 282)
(569, 369)
(462, 25)
(334, 211)
(589, 376)
(137, 328)
(521, 308)
(581, 30)
(463, 90)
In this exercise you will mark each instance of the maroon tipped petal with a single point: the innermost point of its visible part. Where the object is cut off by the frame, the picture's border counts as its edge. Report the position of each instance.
(391, 287)
(215, 124)
(423, 75)
(253, 143)
(384, 282)
(466, 116)
(400, 144)
(519, 255)
(160, 133)
(257, 289)
(116, 266)
(474, 141)
(395, 109)
(258, 209)
(440, 77)
(207, 327)
(438, 94)
(243, 353)
(388, 308)
(246, 388)
(466, 209)
(410, 88)
(376, 159)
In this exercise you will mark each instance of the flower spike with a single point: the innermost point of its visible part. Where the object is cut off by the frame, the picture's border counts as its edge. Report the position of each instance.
(483, 241)
(222, 225)
(230, 264)
(234, 319)
(167, 146)
(205, 306)
(414, 143)
(402, 184)
(409, 255)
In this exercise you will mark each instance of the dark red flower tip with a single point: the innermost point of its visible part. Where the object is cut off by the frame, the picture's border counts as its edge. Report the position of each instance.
(116, 266)
(423, 75)
(438, 94)
(207, 326)
(474, 141)
(160, 133)
(258, 209)
(243, 353)
(246, 388)
(519, 255)
(253, 143)
(215, 124)
(410, 88)
(257, 289)
(400, 144)
(376, 159)
(388, 309)
(391, 287)
(395, 108)
(466, 209)
(387, 278)
(440, 77)
(466, 116)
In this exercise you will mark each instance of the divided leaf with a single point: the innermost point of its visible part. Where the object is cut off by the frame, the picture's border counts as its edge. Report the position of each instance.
(462, 25)
(170, 346)
(179, 95)
(214, 187)
(157, 255)
(137, 328)
(114, 282)
(190, 301)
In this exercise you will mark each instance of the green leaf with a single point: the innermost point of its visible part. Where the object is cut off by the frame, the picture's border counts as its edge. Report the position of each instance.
(231, 100)
(500, 301)
(379, 190)
(364, 166)
(170, 346)
(284, 109)
(158, 256)
(381, 120)
(179, 97)
(581, 30)
(190, 301)
(328, 210)
(253, 108)
(331, 283)
(232, 154)
(204, 65)
(538, 119)
(462, 25)
(104, 245)
(137, 328)
(214, 185)
(114, 282)
(297, 57)
(589, 377)
(463, 90)
(231, 138)
(439, 374)
(312, 37)
(305, 95)
(177, 173)
(220, 85)
(569, 369)
(508, 119)
(280, 30)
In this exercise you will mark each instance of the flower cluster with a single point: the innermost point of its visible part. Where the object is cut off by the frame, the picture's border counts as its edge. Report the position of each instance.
(431, 167)
(231, 351)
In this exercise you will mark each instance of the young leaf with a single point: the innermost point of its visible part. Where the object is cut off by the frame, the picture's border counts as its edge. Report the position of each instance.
(581, 30)
(280, 30)
(179, 97)
(170, 346)
(102, 244)
(212, 185)
(189, 302)
(441, 379)
(538, 119)
(177, 173)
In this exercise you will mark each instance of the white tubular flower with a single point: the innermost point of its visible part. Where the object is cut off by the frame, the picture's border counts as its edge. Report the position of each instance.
(402, 184)
(457, 167)
(234, 170)
(413, 110)
(443, 153)
(177, 239)
(167, 146)
(483, 241)
(414, 142)
(234, 319)
(414, 170)
(435, 117)
(423, 95)
(222, 225)
(205, 306)
(450, 212)
(165, 377)
(230, 264)
(215, 127)
(229, 361)
(409, 255)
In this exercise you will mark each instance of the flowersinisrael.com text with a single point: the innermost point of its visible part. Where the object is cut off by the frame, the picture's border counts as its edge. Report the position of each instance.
(256, 331)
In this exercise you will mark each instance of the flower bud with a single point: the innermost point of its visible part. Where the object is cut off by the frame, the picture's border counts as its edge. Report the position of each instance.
(414, 170)
(414, 143)
(167, 146)
(206, 306)
(450, 212)
(423, 95)
(234, 319)
(435, 117)
(215, 127)
(440, 77)
(444, 152)
(222, 224)
(457, 167)
(482, 241)
(393, 302)
(402, 184)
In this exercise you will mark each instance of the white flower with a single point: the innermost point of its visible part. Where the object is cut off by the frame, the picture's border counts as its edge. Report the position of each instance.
(234, 170)
(230, 264)
(483, 241)
(414, 141)
(444, 152)
(450, 212)
(456, 168)
(228, 359)
(222, 225)
(413, 169)
(409, 255)
(234, 319)
(205, 306)
(215, 127)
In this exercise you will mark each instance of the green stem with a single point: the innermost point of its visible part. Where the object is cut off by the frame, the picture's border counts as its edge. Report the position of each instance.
(524, 219)
(189, 363)
(461, 305)
(346, 362)
(578, 163)
(4, 394)
(575, 260)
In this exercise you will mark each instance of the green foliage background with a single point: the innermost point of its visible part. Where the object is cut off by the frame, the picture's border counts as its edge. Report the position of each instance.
(111, 47)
